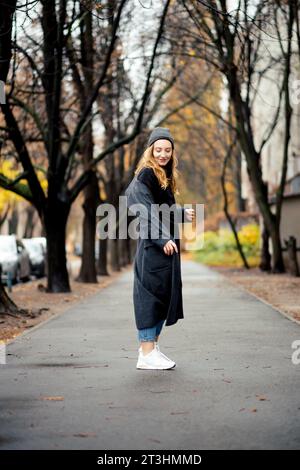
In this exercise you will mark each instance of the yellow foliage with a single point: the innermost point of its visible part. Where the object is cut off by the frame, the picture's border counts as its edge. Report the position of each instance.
(9, 197)
(249, 234)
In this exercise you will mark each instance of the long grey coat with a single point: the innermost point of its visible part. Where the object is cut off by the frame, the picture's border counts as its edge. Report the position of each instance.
(157, 289)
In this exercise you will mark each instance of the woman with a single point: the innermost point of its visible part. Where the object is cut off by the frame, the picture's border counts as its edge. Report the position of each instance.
(157, 291)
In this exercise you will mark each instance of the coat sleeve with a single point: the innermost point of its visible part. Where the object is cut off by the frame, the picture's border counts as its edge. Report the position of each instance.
(139, 193)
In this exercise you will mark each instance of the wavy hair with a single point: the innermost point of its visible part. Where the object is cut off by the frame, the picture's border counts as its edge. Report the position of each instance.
(149, 161)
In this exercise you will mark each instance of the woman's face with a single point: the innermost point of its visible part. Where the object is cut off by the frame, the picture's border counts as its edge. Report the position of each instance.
(162, 151)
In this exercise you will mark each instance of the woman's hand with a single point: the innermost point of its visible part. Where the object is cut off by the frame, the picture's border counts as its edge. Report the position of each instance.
(190, 214)
(169, 247)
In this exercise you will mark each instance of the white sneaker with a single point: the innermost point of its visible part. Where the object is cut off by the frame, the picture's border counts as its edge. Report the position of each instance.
(158, 349)
(154, 360)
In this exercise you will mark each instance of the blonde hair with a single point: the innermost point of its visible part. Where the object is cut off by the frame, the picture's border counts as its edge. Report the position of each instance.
(149, 161)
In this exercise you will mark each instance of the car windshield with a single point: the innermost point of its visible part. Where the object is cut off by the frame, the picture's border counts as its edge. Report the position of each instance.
(7, 245)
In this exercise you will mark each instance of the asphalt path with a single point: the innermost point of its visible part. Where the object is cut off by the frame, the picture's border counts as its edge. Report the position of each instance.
(72, 382)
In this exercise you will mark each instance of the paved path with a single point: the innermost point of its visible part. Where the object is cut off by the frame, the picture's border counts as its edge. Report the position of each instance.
(234, 386)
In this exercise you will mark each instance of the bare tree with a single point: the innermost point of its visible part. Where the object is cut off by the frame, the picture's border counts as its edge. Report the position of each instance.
(231, 41)
(61, 146)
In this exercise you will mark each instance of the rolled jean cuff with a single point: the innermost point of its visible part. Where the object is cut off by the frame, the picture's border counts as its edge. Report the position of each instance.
(149, 334)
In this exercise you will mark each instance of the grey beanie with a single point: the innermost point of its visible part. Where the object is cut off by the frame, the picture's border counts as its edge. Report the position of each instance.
(160, 133)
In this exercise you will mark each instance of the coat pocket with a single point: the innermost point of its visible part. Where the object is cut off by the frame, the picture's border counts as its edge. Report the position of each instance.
(155, 259)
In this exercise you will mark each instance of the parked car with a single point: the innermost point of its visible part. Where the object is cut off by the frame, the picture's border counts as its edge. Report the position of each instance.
(37, 253)
(14, 259)
(43, 241)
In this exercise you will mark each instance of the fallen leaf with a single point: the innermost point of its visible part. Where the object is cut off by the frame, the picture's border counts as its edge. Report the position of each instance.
(261, 397)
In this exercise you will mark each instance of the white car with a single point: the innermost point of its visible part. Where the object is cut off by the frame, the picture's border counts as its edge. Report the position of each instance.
(14, 259)
(37, 254)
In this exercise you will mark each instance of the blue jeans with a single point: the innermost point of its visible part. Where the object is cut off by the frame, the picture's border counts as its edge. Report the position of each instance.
(149, 334)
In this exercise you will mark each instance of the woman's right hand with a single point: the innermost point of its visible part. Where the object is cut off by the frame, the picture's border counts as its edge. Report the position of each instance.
(169, 247)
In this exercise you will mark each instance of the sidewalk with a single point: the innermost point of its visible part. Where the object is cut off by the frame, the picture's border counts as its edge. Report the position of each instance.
(71, 383)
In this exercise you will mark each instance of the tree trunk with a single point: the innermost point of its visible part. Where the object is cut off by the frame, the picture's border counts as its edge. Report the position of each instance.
(265, 261)
(4, 216)
(122, 252)
(253, 160)
(102, 260)
(88, 271)
(128, 250)
(291, 246)
(238, 179)
(7, 12)
(13, 222)
(265, 257)
(273, 228)
(55, 225)
(7, 306)
(114, 252)
(29, 222)
(225, 207)
(278, 264)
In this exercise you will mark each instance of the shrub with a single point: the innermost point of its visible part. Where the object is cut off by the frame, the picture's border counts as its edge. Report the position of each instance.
(220, 247)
